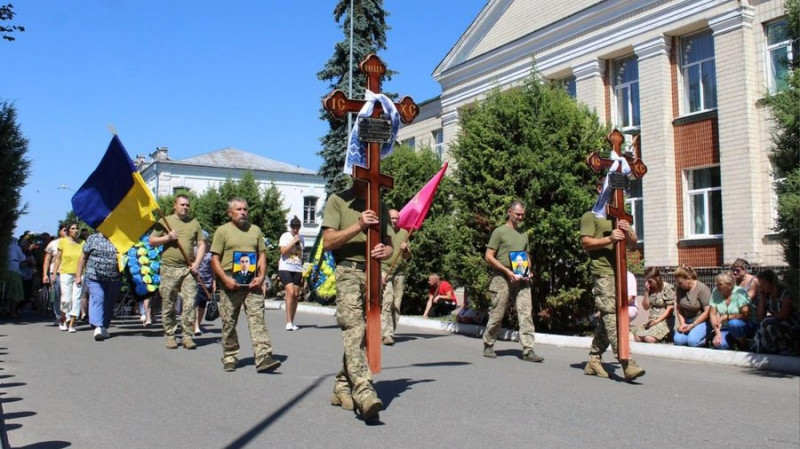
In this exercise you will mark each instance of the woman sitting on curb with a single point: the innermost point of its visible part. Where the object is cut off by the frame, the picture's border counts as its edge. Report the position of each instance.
(693, 305)
(730, 307)
(659, 299)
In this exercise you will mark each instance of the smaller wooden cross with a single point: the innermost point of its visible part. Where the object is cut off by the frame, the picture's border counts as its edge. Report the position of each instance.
(615, 210)
(338, 105)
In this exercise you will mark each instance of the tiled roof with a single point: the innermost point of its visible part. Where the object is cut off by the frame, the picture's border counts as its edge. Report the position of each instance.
(235, 158)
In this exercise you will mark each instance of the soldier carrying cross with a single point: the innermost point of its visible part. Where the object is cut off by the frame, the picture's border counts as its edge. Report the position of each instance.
(356, 228)
(605, 241)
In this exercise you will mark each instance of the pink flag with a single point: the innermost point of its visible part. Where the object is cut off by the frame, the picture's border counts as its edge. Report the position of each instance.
(413, 213)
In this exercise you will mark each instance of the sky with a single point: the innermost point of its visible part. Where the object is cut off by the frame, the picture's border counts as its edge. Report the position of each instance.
(193, 76)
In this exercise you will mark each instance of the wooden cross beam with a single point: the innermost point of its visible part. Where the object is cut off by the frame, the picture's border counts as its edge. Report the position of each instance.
(615, 210)
(338, 105)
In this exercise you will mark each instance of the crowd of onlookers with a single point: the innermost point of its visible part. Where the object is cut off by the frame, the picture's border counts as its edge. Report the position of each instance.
(741, 311)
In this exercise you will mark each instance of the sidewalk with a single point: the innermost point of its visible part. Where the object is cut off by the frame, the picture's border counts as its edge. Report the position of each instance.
(778, 363)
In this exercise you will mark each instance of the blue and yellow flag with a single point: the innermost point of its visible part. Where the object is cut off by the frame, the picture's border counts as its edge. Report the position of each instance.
(115, 199)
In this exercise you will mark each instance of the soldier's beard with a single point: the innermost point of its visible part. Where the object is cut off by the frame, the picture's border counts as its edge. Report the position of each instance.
(242, 222)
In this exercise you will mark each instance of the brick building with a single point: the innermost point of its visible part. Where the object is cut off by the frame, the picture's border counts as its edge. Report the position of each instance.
(686, 75)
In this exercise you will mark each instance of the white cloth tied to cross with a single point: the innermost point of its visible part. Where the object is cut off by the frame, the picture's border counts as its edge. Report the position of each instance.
(357, 150)
(599, 209)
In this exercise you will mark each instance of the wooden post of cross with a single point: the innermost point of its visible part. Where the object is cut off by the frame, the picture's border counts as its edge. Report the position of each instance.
(338, 105)
(615, 210)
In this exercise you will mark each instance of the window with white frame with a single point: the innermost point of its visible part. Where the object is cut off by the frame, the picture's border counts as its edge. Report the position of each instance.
(704, 202)
(438, 143)
(570, 86)
(626, 92)
(310, 210)
(699, 72)
(635, 203)
(411, 142)
(779, 53)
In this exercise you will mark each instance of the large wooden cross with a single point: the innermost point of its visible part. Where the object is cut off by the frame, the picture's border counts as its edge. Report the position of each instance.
(615, 210)
(338, 105)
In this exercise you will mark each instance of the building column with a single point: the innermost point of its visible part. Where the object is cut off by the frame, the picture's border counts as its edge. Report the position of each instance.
(743, 161)
(658, 152)
(450, 129)
(589, 86)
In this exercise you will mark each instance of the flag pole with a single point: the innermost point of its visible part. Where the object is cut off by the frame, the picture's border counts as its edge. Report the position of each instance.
(161, 217)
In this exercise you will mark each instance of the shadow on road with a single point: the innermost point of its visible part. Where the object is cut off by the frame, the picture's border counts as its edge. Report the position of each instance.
(251, 434)
(388, 390)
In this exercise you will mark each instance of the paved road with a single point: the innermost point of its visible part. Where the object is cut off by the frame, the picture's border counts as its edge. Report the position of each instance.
(66, 390)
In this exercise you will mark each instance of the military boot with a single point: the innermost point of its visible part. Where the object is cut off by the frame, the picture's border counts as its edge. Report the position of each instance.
(631, 369)
(171, 343)
(370, 408)
(594, 367)
(342, 398)
(188, 343)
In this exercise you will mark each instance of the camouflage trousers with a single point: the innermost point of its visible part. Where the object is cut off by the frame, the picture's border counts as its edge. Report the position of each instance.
(605, 301)
(176, 280)
(354, 376)
(390, 305)
(230, 305)
(501, 290)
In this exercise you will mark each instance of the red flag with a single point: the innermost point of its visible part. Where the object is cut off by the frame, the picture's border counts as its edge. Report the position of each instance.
(413, 213)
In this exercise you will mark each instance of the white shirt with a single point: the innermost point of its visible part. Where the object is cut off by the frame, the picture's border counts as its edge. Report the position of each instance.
(51, 249)
(293, 261)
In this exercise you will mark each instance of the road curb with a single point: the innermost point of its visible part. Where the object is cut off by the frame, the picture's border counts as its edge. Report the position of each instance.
(770, 362)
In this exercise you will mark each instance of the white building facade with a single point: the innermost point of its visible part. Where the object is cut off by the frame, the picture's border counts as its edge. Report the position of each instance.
(302, 190)
(687, 76)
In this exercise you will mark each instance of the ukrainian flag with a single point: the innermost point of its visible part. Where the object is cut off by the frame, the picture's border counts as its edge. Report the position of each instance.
(115, 199)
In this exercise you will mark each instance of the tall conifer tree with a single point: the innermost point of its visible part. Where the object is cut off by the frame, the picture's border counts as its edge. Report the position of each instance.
(14, 169)
(369, 36)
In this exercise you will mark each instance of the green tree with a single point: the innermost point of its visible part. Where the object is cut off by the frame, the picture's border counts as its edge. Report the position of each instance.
(785, 109)
(274, 222)
(6, 14)
(273, 225)
(528, 143)
(14, 170)
(433, 244)
(369, 36)
(211, 210)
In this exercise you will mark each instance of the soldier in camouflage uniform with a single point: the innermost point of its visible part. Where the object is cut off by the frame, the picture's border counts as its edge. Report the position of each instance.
(344, 232)
(597, 239)
(506, 284)
(394, 279)
(176, 275)
(239, 235)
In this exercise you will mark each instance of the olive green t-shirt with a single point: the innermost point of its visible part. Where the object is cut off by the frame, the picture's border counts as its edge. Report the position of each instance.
(341, 211)
(229, 238)
(691, 303)
(505, 239)
(189, 233)
(396, 260)
(602, 260)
